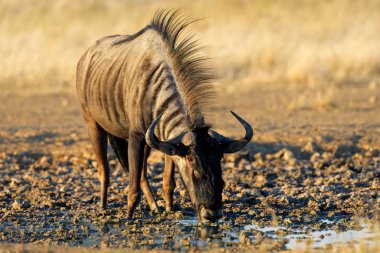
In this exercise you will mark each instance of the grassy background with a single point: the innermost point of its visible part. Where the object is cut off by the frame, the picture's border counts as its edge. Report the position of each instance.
(251, 42)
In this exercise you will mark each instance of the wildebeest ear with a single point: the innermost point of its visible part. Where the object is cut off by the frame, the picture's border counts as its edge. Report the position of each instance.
(173, 149)
(232, 146)
(188, 139)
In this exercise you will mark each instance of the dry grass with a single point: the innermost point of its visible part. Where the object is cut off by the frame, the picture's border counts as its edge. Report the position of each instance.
(251, 42)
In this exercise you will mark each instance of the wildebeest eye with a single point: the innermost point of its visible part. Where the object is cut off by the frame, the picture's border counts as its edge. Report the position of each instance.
(197, 174)
(190, 159)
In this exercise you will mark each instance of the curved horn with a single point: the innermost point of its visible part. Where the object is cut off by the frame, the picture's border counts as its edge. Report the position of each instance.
(171, 147)
(232, 146)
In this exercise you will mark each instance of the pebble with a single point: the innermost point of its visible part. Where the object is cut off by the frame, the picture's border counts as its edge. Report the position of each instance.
(312, 147)
(284, 154)
(16, 205)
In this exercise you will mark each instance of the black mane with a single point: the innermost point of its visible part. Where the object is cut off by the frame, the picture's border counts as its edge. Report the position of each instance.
(194, 75)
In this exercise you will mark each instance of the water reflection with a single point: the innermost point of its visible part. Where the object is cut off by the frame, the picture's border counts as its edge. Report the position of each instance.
(187, 233)
(206, 231)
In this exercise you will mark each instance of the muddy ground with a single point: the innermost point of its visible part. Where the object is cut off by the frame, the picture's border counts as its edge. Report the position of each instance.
(313, 167)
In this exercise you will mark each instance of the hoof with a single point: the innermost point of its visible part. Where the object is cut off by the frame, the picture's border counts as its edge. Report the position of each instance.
(130, 215)
(155, 210)
(103, 206)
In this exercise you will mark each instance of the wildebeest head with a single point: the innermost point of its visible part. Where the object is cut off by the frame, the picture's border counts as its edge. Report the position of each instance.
(197, 155)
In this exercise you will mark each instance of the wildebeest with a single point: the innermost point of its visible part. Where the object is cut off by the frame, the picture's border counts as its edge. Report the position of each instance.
(139, 90)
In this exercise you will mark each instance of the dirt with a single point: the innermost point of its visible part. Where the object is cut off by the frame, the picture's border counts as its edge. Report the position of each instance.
(307, 169)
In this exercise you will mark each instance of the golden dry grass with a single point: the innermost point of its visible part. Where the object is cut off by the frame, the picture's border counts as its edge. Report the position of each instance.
(251, 42)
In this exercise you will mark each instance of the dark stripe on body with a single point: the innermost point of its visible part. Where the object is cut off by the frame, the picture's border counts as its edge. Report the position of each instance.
(109, 94)
(134, 87)
(122, 89)
(117, 96)
(155, 94)
(155, 91)
(174, 124)
(167, 100)
(155, 73)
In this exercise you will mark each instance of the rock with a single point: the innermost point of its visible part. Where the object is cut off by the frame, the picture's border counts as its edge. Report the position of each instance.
(281, 232)
(285, 154)
(313, 205)
(20, 205)
(15, 182)
(16, 205)
(259, 157)
(315, 157)
(46, 203)
(28, 177)
(312, 147)
(327, 155)
(185, 241)
(260, 181)
(324, 188)
(244, 238)
(283, 200)
(372, 153)
(375, 184)
(288, 222)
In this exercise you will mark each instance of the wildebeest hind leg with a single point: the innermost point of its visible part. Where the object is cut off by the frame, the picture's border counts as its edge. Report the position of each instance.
(145, 187)
(98, 138)
(168, 183)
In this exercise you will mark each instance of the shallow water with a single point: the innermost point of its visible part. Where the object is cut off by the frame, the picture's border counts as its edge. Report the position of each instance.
(188, 233)
(298, 239)
(322, 238)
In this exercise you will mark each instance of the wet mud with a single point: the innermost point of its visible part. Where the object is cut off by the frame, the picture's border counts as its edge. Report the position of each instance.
(274, 199)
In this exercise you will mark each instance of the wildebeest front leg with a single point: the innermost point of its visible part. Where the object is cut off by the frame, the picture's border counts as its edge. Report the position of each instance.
(145, 187)
(168, 183)
(98, 138)
(136, 147)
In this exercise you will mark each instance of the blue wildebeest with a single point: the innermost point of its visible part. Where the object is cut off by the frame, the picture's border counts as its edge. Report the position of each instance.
(148, 90)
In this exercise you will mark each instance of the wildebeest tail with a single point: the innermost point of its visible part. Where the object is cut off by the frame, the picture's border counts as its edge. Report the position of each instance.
(120, 147)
